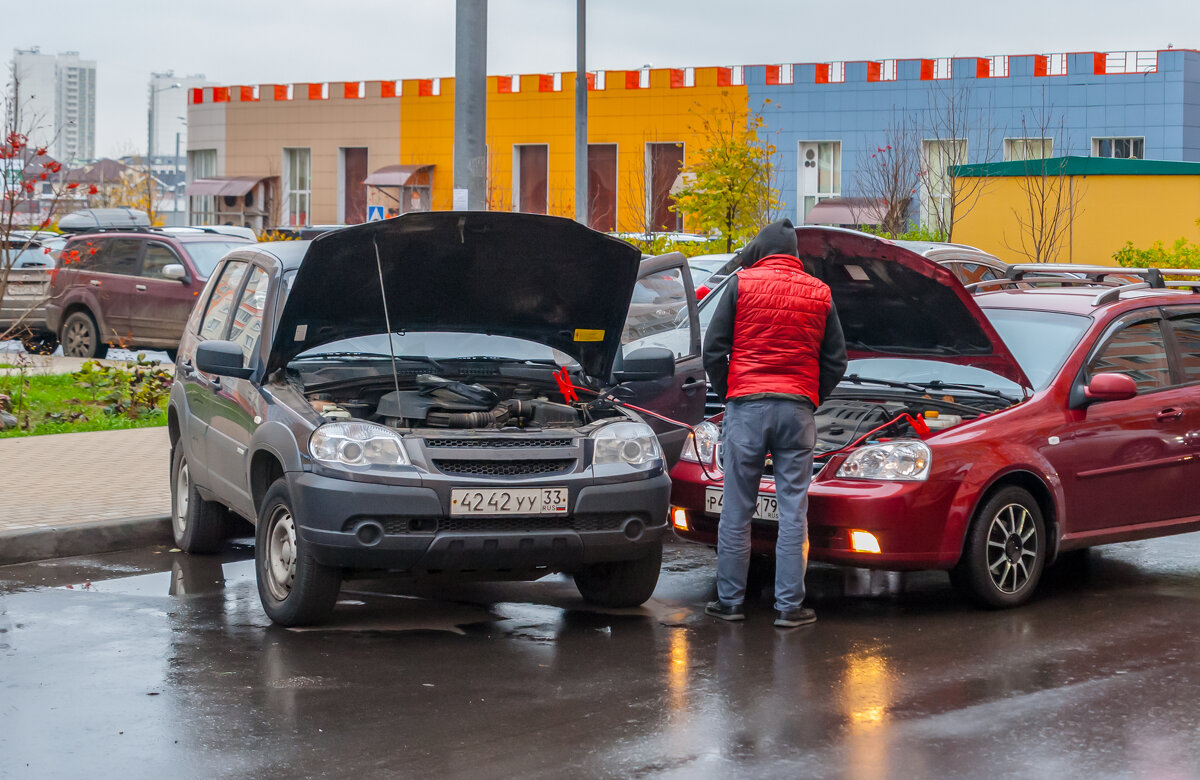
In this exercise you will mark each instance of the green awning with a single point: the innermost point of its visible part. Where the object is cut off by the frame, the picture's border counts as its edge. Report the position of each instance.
(1079, 166)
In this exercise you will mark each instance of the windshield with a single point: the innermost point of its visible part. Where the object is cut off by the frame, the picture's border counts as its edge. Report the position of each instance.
(439, 346)
(918, 371)
(205, 254)
(1039, 340)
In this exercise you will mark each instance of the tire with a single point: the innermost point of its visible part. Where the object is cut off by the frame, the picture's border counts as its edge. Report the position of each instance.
(294, 589)
(621, 583)
(1005, 551)
(41, 344)
(80, 337)
(197, 525)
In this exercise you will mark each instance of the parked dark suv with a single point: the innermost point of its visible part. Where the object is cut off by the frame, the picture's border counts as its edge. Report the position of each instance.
(478, 440)
(132, 289)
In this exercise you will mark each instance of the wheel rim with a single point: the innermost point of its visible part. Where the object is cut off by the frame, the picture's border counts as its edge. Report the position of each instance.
(280, 565)
(1012, 548)
(77, 340)
(183, 490)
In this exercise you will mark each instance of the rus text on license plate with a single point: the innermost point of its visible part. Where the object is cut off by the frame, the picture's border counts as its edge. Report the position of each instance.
(766, 509)
(511, 501)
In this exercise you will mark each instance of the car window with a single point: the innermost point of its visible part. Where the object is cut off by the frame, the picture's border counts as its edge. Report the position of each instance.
(206, 254)
(247, 323)
(158, 256)
(85, 254)
(657, 314)
(220, 304)
(1187, 338)
(1138, 351)
(1039, 340)
(120, 256)
(969, 273)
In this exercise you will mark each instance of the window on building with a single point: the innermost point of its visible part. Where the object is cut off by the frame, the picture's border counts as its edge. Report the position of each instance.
(297, 186)
(202, 164)
(531, 182)
(1137, 351)
(1028, 148)
(820, 172)
(602, 187)
(1125, 148)
(937, 159)
(664, 162)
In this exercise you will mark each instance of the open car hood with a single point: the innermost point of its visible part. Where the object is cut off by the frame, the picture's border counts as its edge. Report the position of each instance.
(895, 303)
(543, 279)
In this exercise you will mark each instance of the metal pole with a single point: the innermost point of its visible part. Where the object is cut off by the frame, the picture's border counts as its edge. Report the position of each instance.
(470, 105)
(581, 96)
(150, 125)
(175, 200)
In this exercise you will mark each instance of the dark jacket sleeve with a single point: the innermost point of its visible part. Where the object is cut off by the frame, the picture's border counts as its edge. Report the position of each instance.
(832, 356)
(718, 340)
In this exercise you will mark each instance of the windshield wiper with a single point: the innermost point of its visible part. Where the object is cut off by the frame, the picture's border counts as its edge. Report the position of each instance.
(938, 384)
(374, 356)
(499, 359)
(866, 380)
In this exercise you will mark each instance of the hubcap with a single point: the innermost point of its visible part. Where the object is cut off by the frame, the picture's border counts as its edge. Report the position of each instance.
(280, 564)
(1012, 548)
(78, 340)
(183, 488)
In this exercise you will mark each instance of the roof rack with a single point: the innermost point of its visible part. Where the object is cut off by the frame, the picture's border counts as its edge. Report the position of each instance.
(1062, 281)
(1155, 277)
(1113, 294)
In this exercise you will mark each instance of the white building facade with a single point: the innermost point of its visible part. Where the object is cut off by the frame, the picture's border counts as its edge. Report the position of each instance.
(56, 98)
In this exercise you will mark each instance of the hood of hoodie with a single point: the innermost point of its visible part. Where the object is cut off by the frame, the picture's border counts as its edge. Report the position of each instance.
(777, 238)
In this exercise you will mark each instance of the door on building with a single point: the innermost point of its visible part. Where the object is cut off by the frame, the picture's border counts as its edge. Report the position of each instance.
(663, 162)
(602, 187)
(820, 173)
(353, 187)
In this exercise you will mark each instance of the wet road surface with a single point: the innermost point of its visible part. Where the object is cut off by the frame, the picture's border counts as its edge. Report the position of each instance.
(157, 664)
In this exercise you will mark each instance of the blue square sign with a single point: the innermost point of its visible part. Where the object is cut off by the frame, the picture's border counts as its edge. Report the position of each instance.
(374, 213)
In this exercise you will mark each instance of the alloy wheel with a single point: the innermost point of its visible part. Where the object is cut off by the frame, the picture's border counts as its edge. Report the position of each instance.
(280, 565)
(77, 340)
(1012, 548)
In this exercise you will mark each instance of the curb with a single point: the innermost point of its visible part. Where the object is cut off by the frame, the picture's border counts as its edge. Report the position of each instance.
(91, 538)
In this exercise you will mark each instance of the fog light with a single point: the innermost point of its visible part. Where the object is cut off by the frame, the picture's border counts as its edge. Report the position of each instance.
(679, 518)
(863, 541)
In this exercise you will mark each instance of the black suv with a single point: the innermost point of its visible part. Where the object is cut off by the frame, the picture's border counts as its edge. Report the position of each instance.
(479, 440)
(133, 289)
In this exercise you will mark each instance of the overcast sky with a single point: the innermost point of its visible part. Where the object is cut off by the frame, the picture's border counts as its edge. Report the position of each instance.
(260, 41)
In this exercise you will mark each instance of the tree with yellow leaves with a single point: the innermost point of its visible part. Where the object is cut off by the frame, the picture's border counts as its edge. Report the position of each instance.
(729, 186)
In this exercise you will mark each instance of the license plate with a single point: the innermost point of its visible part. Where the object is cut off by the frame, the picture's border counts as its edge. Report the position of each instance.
(766, 509)
(512, 501)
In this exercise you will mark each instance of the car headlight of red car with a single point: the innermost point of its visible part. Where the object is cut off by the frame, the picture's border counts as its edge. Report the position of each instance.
(703, 439)
(905, 460)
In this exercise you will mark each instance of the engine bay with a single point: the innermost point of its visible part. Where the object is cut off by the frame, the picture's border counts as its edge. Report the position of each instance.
(430, 401)
(840, 421)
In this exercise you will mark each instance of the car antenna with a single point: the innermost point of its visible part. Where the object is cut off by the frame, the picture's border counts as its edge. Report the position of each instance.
(387, 322)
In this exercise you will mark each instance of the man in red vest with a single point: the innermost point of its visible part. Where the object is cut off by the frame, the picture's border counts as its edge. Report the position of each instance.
(774, 350)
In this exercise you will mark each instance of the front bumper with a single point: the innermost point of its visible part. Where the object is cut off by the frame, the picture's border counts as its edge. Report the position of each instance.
(614, 521)
(911, 520)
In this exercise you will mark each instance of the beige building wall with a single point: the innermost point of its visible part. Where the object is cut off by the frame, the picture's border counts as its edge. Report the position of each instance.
(259, 123)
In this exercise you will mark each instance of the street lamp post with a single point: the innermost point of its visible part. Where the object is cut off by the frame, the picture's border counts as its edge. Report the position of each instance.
(150, 128)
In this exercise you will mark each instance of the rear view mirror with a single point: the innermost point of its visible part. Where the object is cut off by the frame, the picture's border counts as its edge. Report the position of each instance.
(646, 364)
(174, 271)
(222, 358)
(1110, 387)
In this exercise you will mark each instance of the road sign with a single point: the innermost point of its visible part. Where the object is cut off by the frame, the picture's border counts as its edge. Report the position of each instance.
(374, 213)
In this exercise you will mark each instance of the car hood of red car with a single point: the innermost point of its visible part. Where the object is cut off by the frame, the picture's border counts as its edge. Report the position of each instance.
(894, 303)
(544, 279)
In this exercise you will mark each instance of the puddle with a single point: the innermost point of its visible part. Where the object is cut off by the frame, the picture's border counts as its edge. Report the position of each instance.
(189, 576)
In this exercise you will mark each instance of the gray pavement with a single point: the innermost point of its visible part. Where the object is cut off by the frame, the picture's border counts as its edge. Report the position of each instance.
(154, 664)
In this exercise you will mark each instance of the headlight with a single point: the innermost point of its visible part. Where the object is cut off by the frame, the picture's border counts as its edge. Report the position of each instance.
(626, 442)
(904, 460)
(357, 444)
(704, 439)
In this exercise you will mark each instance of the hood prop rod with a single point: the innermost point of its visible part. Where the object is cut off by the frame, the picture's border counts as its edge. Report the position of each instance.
(387, 322)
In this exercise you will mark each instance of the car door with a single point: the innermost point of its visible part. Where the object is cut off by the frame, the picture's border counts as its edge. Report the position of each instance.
(1120, 462)
(235, 406)
(662, 313)
(1184, 330)
(159, 307)
(113, 279)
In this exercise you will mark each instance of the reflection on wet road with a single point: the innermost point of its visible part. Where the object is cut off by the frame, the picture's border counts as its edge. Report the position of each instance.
(153, 663)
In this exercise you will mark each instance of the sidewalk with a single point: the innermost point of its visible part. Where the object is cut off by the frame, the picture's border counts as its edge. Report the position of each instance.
(82, 493)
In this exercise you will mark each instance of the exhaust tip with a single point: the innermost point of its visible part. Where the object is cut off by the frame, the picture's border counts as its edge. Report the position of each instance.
(633, 529)
(369, 533)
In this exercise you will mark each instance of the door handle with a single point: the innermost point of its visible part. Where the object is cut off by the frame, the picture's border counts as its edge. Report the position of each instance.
(1169, 414)
(185, 367)
(140, 287)
(94, 282)
(691, 383)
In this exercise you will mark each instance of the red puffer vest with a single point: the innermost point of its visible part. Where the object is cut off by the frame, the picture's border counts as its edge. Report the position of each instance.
(778, 329)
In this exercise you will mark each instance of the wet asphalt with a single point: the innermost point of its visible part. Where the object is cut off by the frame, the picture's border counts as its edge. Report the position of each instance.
(157, 664)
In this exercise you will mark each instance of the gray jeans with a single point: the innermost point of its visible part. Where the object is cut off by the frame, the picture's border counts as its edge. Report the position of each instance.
(751, 430)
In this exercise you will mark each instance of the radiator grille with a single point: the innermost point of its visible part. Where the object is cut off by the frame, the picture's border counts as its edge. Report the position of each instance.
(497, 443)
(505, 468)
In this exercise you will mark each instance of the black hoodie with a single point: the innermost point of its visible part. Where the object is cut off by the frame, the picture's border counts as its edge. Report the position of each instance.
(778, 238)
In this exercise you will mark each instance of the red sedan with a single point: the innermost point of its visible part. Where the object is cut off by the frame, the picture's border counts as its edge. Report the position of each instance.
(983, 435)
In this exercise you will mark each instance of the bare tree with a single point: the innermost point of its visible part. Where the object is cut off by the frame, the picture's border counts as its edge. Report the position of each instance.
(887, 176)
(951, 121)
(1050, 198)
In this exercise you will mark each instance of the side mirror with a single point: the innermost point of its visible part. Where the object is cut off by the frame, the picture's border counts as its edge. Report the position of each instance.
(646, 364)
(222, 358)
(1110, 387)
(174, 271)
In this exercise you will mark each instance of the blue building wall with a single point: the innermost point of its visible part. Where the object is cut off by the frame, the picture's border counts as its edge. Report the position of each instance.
(1161, 106)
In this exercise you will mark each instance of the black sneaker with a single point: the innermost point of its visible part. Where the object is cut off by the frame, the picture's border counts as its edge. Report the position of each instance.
(796, 617)
(720, 609)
